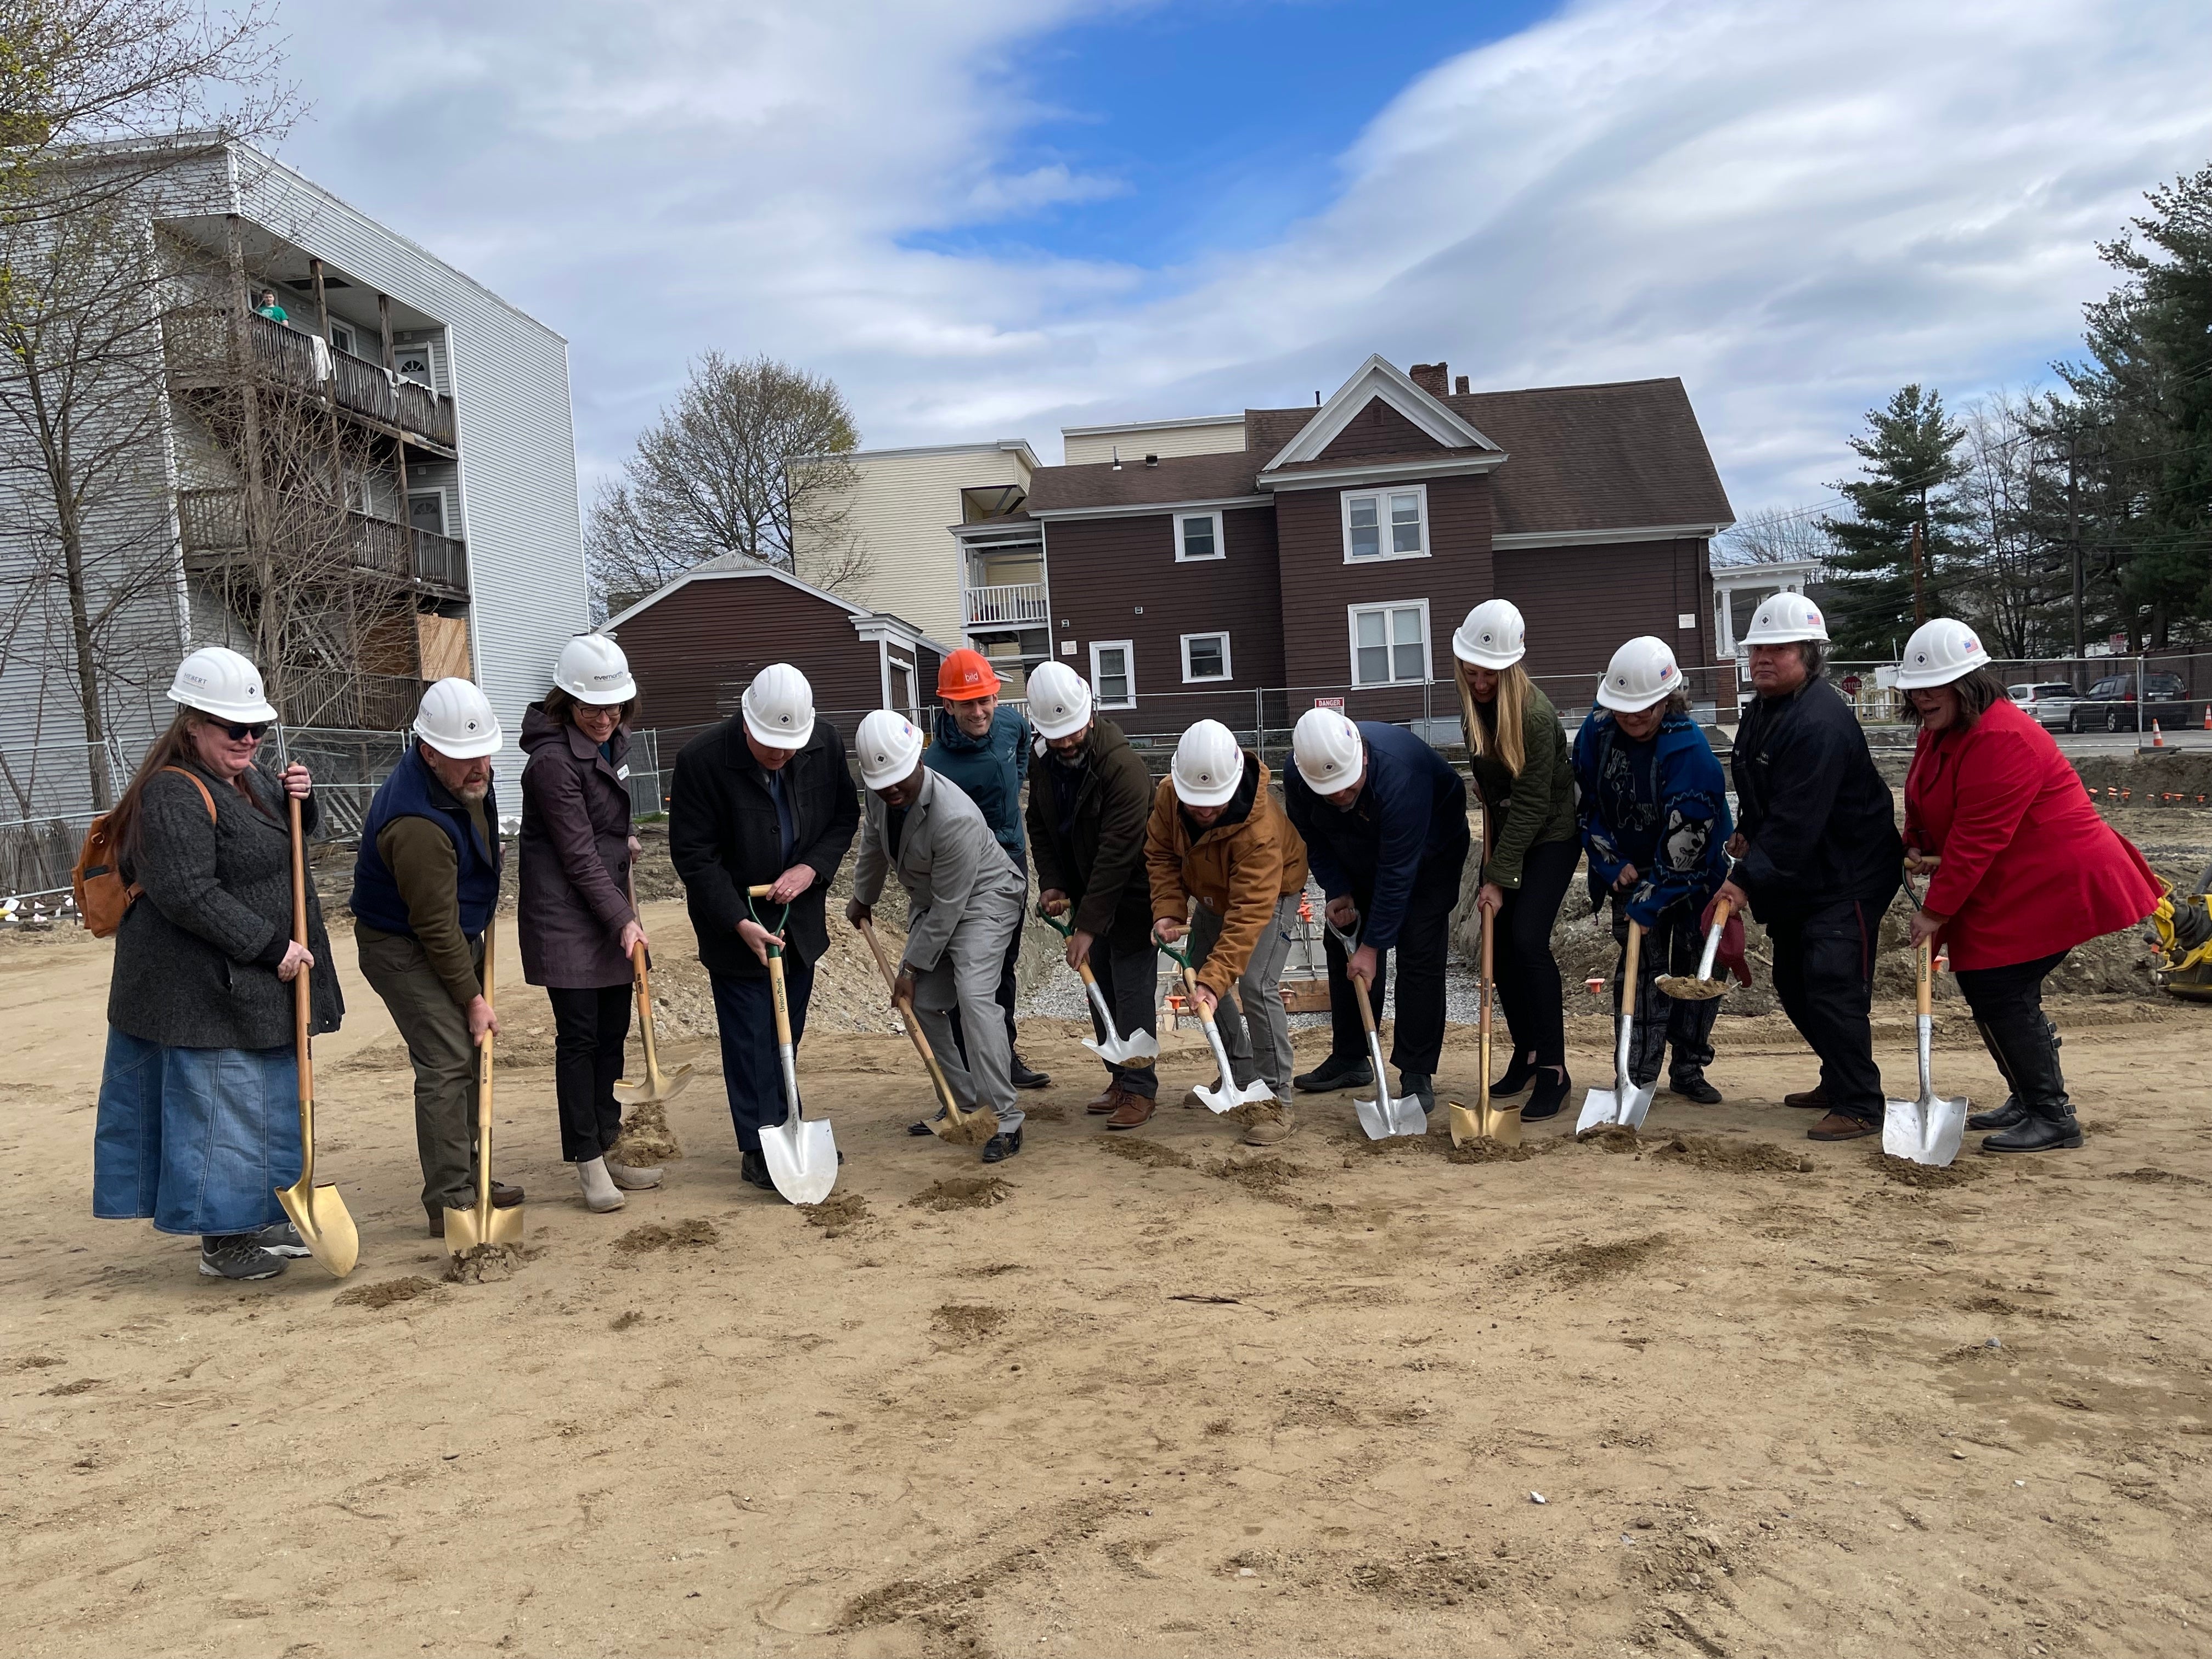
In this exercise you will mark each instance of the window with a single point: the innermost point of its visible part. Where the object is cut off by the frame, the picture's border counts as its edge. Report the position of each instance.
(341, 337)
(412, 363)
(1114, 674)
(1390, 643)
(1205, 657)
(1198, 536)
(1386, 524)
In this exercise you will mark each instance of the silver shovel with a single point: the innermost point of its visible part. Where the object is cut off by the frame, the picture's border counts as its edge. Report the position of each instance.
(1226, 1096)
(1140, 1050)
(1623, 1103)
(1928, 1130)
(802, 1156)
(1387, 1114)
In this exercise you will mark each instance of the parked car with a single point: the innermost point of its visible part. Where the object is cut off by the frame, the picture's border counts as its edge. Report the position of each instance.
(2112, 705)
(2047, 703)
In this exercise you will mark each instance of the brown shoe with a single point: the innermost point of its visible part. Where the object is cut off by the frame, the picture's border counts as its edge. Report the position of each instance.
(1837, 1127)
(1099, 1105)
(1134, 1110)
(1270, 1124)
(1815, 1099)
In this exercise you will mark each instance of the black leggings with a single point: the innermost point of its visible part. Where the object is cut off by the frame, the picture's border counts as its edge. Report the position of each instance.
(1528, 974)
(589, 1030)
(2014, 991)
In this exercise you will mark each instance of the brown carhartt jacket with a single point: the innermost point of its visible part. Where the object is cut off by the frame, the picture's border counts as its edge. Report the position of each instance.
(1238, 868)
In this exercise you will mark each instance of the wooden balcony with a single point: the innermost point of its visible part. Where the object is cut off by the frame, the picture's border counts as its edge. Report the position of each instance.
(197, 342)
(1011, 604)
(213, 522)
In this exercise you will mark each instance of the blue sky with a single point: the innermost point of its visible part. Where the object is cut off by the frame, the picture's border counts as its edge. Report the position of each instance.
(997, 217)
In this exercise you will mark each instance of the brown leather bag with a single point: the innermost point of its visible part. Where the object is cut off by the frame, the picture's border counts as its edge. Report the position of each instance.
(103, 898)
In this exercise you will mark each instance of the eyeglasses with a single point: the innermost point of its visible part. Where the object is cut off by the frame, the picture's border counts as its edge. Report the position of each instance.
(242, 734)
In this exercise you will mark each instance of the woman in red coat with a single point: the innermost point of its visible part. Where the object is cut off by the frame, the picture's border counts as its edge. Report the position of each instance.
(2023, 869)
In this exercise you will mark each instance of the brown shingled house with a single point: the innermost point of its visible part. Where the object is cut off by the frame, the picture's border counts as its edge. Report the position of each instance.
(1336, 548)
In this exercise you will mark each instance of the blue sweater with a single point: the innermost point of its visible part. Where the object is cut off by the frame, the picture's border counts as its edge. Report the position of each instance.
(990, 770)
(1411, 813)
(1660, 806)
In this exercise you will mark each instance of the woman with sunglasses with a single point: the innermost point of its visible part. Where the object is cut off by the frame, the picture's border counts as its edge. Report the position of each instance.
(199, 1119)
(575, 923)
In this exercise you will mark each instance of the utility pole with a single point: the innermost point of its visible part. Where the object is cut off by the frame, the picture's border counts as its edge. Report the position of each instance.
(1919, 595)
(2074, 537)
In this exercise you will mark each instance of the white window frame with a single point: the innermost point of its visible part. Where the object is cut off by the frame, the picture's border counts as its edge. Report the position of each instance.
(1227, 671)
(350, 345)
(1220, 546)
(1380, 495)
(1129, 649)
(429, 375)
(1352, 615)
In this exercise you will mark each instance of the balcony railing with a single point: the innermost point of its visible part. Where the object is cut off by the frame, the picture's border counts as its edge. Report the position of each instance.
(197, 340)
(1011, 604)
(213, 522)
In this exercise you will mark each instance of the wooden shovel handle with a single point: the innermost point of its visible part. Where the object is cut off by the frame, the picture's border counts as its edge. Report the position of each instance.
(1923, 985)
(300, 991)
(1722, 911)
(1629, 966)
(937, 1078)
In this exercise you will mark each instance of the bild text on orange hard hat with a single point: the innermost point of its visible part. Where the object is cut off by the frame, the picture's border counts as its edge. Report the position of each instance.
(965, 676)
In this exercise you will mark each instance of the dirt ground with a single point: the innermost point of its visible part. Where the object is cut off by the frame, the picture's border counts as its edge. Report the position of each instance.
(1718, 1392)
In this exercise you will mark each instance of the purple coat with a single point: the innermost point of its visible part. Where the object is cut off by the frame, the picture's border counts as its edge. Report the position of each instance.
(575, 857)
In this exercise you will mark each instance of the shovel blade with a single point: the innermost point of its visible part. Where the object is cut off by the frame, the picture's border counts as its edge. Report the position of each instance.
(1929, 1130)
(1467, 1123)
(324, 1224)
(1125, 1051)
(462, 1231)
(1600, 1108)
(1637, 1103)
(1684, 987)
(1385, 1117)
(656, 1090)
(1502, 1124)
(802, 1158)
(1226, 1097)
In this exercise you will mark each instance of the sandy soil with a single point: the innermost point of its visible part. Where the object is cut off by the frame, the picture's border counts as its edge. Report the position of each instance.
(1155, 1393)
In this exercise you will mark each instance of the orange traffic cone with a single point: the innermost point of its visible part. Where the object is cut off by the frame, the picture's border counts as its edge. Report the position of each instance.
(2208, 717)
(2157, 737)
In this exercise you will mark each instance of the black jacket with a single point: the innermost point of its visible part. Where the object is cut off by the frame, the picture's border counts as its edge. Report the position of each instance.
(1089, 844)
(1818, 818)
(1407, 825)
(723, 838)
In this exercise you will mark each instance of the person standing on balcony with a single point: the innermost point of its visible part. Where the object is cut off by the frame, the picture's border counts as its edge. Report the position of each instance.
(577, 926)
(198, 1123)
(1517, 752)
(1655, 821)
(764, 799)
(984, 747)
(424, 890)
(1090, 799)
(265, 305)
(1817, 858)
(1384, 821)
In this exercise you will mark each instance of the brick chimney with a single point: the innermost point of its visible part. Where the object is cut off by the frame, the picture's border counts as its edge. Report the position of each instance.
(1435, 379)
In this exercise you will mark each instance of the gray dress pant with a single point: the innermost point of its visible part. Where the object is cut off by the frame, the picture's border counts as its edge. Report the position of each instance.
(436, 1029)
(1258, 1038)
(966, 977)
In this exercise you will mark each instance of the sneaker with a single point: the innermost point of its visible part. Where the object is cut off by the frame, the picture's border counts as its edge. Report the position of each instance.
(1694, 1088)
(1001, 1147)
(634, 1178)
(1272, 1123)
(1026, 1079)
(1334, 1073)
(235, 1255)
(283, 1238)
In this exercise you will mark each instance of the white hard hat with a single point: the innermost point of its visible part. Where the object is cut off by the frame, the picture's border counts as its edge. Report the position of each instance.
(217, 681)
(1938, 653)
(887, 746)
(1642, 671)
(1208, 765)
(1492, 637)
(1327, 750)
(593, 670)
(1059, 701)
(1786, 617)
(779, 707)
(456, 719)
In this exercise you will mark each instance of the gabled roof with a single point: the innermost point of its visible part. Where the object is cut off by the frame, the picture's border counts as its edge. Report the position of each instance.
(738, 565)
(1376, 378)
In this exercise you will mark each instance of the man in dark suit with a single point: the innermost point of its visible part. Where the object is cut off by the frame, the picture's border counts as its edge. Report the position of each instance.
(763, 799)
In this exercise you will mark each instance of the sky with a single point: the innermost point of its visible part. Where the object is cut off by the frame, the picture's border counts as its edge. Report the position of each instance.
(996, 218)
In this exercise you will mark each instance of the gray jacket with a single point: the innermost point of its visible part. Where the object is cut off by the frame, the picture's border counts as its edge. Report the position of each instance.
(196, 956)
(949, 863)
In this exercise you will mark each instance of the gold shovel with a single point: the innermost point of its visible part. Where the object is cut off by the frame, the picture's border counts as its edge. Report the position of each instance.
(483, 1224)
(324, 1224)
(961, 1128)
(1484, 1120)
(659, 1087)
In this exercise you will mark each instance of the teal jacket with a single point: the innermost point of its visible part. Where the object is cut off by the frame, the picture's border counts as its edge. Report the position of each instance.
(990, 770)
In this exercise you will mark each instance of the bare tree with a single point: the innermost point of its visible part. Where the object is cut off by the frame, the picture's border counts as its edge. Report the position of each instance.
(1773, 535)
(2011, 580)
(748, 460)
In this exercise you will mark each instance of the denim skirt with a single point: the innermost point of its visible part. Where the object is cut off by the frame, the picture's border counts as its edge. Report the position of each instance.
(200, 1140)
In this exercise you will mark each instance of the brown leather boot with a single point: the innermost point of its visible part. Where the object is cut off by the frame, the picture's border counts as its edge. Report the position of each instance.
(1099, 1105)
(1837, 1127)
(1815, 1099)
(1134, 1110)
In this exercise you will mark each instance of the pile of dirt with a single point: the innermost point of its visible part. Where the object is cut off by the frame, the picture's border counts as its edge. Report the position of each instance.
(387, 1293)
(962, 1193)
(1586, 1263)
(685, 1235)
(837, 1214)
(1732, 1157)
(966, 1321)
(1151, 1153)
(1440, 1145)
(1905, 1173)
(1263, 1177)
(2149, 1177)
(646, 1141)
(486, 1264)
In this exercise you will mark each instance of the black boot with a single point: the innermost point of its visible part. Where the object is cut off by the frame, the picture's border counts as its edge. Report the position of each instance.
(1550, 1094)
(2012, 1114)
(2029, 1045)
(1335, 1073)
(1517, 1078)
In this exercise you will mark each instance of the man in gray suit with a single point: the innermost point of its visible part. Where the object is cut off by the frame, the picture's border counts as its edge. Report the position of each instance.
(963, 903)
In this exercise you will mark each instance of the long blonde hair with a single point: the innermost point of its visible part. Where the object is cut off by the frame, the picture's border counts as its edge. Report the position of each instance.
(1507, 743)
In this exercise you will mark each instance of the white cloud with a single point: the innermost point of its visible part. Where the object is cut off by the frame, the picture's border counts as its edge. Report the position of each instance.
(1794, 206)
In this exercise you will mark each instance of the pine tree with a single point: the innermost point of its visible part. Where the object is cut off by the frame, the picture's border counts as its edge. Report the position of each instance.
(1909, 465)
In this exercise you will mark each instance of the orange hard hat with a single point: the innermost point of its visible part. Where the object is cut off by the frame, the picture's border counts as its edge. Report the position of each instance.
(966, 676)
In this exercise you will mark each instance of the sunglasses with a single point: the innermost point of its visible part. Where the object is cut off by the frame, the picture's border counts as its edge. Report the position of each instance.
(241, 733)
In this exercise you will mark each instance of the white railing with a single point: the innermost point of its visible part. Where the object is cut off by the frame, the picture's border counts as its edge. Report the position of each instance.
(1014, 602)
